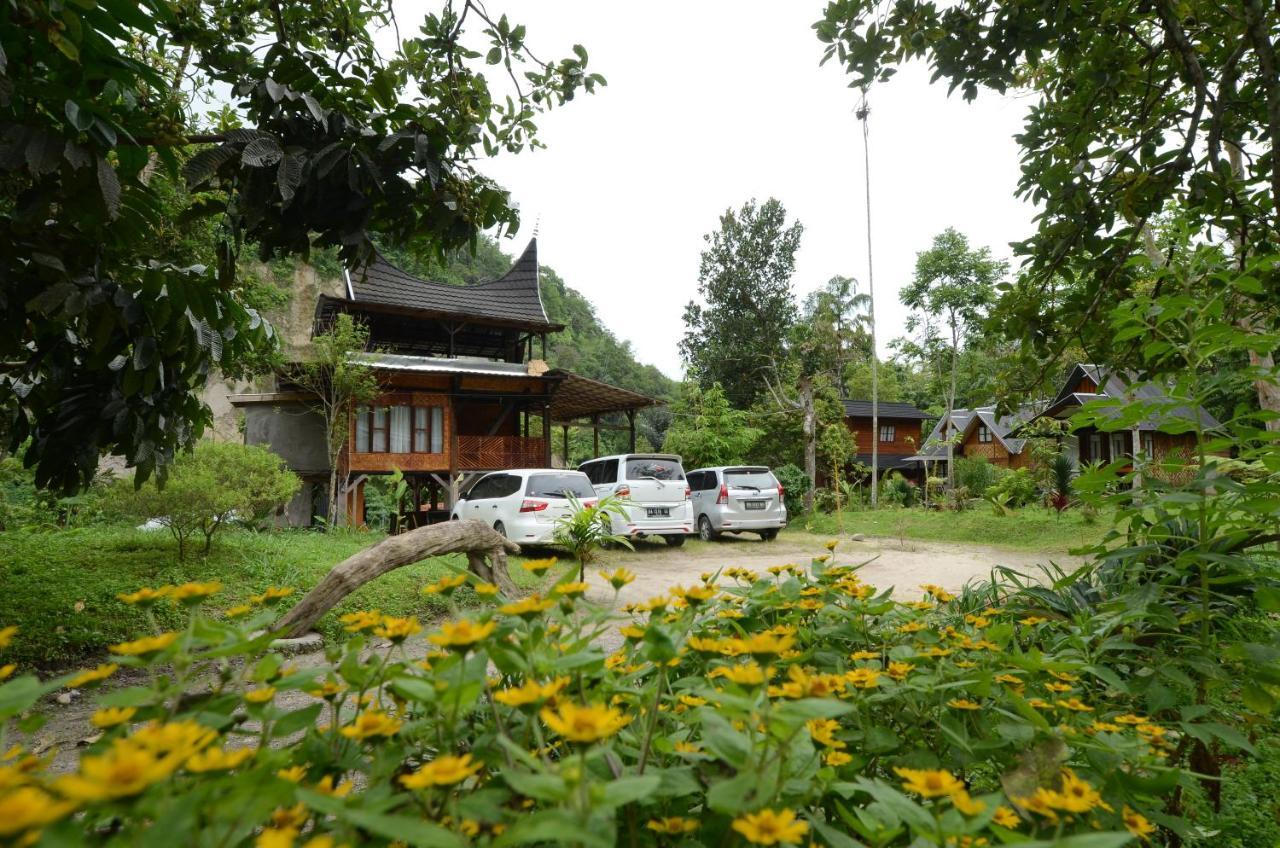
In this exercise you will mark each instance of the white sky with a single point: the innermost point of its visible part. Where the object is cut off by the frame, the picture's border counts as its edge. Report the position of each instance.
(712, 102)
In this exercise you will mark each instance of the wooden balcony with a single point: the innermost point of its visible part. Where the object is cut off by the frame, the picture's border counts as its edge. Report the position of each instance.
(481, 453)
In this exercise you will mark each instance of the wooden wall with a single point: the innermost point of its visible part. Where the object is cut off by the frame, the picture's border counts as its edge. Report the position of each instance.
(907, 435)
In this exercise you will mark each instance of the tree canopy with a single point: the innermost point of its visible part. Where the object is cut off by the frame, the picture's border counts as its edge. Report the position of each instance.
(320, 138)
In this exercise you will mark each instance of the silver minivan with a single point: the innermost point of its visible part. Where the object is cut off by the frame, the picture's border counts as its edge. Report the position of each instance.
(734, 498)
(653, 491)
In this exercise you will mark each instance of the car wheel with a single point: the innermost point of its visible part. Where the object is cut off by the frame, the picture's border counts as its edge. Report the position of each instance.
(768, 535)
(500, 528)
(705, 531)
(674, 541)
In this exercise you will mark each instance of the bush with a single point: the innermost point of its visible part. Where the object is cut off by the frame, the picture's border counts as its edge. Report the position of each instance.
(765, 707)
(1015, 489)
(975, 474)
(215, 483)
(795, 485)
(25, 507)
(896, 490)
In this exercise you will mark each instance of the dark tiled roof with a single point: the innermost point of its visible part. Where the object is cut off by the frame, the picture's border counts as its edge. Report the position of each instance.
(888, 462)
(513, 298)
(1113, 384)
(888, 409)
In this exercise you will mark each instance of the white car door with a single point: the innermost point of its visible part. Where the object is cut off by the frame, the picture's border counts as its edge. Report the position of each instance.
(508, 495)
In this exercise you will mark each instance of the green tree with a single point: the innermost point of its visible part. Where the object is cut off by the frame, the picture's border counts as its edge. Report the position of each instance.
(705, 430)
(328, 137)
(835, 321)
(337, 381)
(745, 282)
(956, 284)
(215, 483)
(1161, 104)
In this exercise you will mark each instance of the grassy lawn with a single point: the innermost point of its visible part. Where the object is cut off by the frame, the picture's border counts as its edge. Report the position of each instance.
(61, 587)
(1030, 529)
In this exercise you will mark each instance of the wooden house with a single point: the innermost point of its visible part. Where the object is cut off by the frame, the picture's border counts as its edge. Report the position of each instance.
(465, 390)
(899, 433)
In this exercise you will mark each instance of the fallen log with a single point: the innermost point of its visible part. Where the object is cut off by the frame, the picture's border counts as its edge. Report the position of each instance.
(485, 548)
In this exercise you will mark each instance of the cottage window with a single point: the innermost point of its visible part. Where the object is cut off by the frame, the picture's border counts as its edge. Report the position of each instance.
(399, 429)
(1148, 445)
(984, 433)
(886, 432)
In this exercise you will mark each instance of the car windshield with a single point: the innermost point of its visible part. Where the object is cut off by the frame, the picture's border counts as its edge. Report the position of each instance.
(559, 486)
(749, 478)
(654, 468)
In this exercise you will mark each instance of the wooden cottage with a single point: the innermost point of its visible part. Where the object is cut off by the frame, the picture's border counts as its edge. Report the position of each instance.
(899, 434)
(465, 390)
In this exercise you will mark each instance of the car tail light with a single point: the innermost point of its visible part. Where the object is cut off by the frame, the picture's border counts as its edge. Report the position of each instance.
(623, 492)
(781, 492)
(591, 502)
(533, 506)
(688, 493)
(723, 497)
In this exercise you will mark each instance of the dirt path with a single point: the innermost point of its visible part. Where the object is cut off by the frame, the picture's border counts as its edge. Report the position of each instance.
(886, 563)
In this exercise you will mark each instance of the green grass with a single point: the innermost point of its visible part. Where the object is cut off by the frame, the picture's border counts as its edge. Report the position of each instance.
(60, 588)
(1030, 529)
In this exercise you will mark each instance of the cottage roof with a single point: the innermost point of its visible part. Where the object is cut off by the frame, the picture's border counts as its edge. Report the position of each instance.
(1113, 384)
(888, 409)
(512, 300)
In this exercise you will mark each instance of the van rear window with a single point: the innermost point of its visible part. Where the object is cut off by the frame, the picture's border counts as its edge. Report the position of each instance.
(654, 468)
(750, 478)
(559, 486)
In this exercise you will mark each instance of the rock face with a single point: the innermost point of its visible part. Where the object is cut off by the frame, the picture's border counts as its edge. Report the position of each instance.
(292, 323)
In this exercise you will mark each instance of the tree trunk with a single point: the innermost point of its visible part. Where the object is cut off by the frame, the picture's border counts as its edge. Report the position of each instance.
(474, 538)
(810, 439)
(951, 405)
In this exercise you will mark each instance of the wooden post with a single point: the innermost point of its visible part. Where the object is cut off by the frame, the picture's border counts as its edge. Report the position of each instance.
(453, 450)
(595, 436)
(631, 421)
(546, 433)
(564, 431)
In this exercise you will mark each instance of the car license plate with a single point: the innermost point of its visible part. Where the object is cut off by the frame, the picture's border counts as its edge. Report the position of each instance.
(754, 504)
(654, 512)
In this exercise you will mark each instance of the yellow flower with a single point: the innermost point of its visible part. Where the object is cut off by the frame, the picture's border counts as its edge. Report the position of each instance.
(864, 655)
(238, 611)
(530, 692)
(7, 634)
(29, 808)
(963, 704)
(327, 786)
(940, 594)
(619, 578)
(769, 827)
(1134, 822)
(586, 724)
(748, 675)
(1033, 620)
(445, 585)
(966, 803)
(442, 771)
(823, 732)
(372, 723)
(692, 701)
(362, 620)
(1077, 795)
(486, 590)
(763, 645)
(397, 629)
(111, 716)
(538, 566)
(1058, 687)
(632, 633)
(831, 544)
(146, 596)
(911, 627)
(929, 783)
(145, 645)
(328, 690)
(687, 748)
(899, 670)
(1006, 817)
(528, 608)
(1010, 679)
(7, 670)
(462, 634)
(260, 696)
(836, 759)
(1075, 705)
(293, 774)
(276, 837)
(1130, 718)
(673, 826)
(694, 595)
(571, 590)
(125, 769)
(1039, 703)
(193, 593)
(271, 595)
(219, 759)
(181, 737)
(92, 675)
(863, 678)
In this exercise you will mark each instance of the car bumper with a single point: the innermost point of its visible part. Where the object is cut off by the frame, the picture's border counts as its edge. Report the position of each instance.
(678, 523)
(531, 532)
(776, 522)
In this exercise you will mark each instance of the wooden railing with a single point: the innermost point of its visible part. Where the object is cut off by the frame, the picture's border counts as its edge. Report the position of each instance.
(497, 452)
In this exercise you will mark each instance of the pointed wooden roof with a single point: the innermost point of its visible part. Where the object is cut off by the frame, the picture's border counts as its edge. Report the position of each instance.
(512, 300)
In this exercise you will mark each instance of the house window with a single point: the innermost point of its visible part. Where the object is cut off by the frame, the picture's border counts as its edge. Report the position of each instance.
(1117, 446)
(1095, 446)
(1148, 446)
(984, 433)
(886, 432)
(399, 429)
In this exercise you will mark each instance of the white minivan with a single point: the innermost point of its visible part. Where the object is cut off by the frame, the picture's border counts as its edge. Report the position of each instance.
(653, 491)
(524, 504)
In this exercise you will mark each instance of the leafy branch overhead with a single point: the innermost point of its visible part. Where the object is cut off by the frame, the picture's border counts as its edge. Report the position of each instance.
(331, 124)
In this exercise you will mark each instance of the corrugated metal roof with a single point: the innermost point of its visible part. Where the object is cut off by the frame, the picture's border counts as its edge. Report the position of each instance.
(888, 409)
(513, 297)
(439, 365)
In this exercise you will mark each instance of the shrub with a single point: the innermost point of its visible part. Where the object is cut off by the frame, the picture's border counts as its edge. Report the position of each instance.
(975, 473)
(1015, 489)
(795, 484)
(215, 483)
(769, 707)
(896, 490)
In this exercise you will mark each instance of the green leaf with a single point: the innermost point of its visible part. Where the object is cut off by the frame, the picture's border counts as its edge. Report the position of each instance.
(734, 795)
(553, 827)
(296, 720)
(1258, 699)
(414, 831)
(624, 790)
(542, 787)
